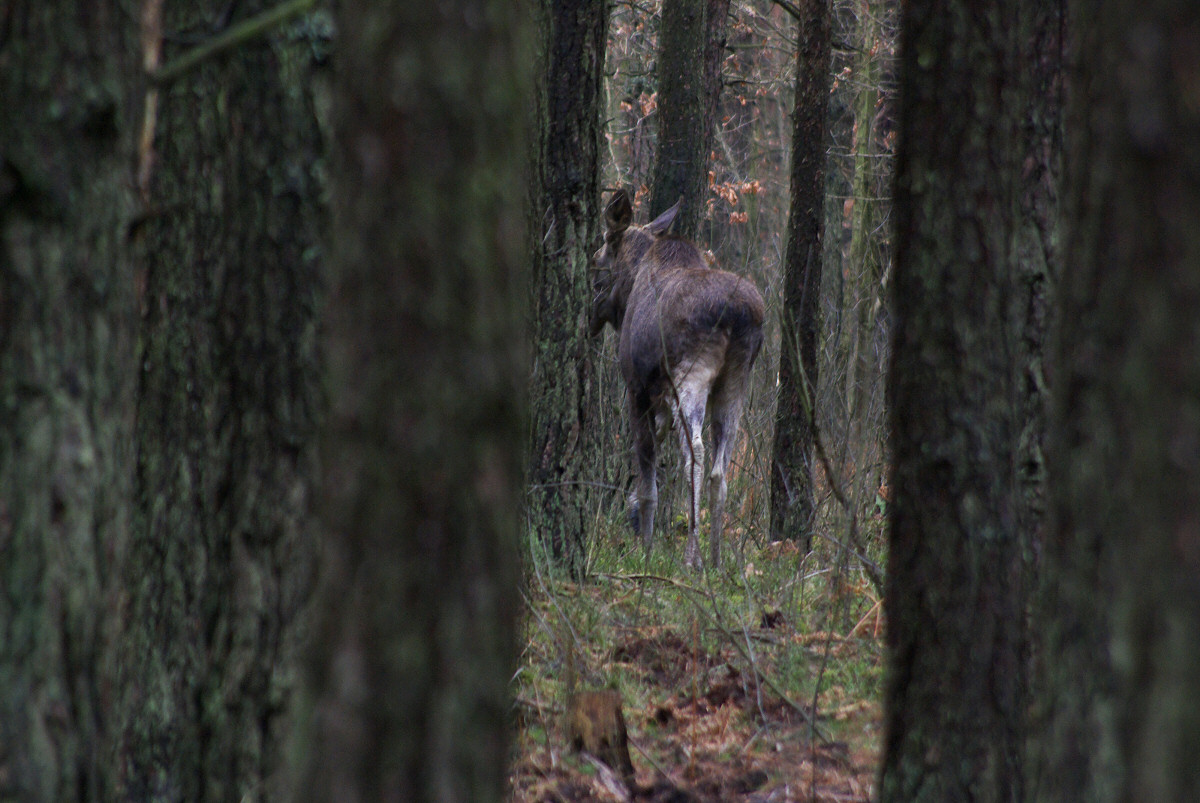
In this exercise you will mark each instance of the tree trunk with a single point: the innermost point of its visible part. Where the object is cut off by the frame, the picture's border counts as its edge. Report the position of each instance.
(67, 379)
(955, 697)
(791, 475)
(1122, 551)
(566, 450)
(691, 47)
(1039, 272)
(422, 455)
(221, 557)
(1038, 248)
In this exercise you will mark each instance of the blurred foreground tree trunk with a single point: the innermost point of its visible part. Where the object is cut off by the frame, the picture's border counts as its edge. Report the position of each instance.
(67, 383)
(1122, 552)
(221, 555)
(956, 690)
(791, 473)
(415, 640)
(691, 51)
(1039, 251)
(565, 446)
(1038, 244)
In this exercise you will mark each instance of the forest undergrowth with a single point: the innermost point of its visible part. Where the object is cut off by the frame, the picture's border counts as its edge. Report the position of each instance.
(759, 681)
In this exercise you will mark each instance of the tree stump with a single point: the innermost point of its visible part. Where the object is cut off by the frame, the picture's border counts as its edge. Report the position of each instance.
(595, 724)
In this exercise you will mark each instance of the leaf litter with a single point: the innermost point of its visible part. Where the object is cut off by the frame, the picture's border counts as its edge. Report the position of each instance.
(704, 727)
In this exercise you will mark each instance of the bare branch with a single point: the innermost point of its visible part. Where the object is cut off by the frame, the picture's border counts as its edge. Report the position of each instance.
(789, 8)
(235, 36)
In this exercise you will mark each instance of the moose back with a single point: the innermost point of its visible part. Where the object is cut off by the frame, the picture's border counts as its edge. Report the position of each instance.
(688, 337)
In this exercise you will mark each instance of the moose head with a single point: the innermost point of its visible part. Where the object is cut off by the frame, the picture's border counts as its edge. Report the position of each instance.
(688, 337)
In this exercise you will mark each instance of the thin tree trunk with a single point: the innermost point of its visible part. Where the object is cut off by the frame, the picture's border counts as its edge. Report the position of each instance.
(422, 456)
(67, 380)
(864, 267)
(791, 473)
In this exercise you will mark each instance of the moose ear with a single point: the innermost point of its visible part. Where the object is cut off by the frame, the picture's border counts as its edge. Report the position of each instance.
(660, 224)
(619, 212)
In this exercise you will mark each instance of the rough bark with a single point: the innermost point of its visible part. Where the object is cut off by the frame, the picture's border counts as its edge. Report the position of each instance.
(423, 451)
(1039, 271)
(691, 49)
(791, 472)
(1038, 248)
(955, 695)
(1123, 546)
(67, 382)
(221, 557)
(565, 448)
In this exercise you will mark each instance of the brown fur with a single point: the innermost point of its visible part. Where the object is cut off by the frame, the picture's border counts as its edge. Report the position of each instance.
(689, 336)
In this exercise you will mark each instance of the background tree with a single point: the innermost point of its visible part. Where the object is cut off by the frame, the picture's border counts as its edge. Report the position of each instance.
(422, 456)
(955, 698)
(857, 330)
(221, 555)
(565, 443)
(792, 505)
(1122, 547)
(67, 380)
(691, 48)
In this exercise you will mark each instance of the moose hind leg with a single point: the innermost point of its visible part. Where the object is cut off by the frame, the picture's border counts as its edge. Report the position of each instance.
(645, 494)
(691, 442)
(724, 428)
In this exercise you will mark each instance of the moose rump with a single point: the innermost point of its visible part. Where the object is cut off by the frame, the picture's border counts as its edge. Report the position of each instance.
(688, 338)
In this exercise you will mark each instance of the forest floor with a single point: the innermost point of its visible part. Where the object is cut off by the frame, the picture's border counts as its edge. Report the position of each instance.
(757, 682)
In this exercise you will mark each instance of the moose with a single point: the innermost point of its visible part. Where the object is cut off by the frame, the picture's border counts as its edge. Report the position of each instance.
(688, 337)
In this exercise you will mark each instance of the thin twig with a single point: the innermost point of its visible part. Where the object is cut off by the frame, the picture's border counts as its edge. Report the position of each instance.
(237, 35)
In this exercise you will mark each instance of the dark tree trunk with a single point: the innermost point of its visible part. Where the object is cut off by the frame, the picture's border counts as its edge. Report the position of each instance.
(67, 380)
(791, 474)
(716, 23)
(1039, 271)
(66, 388)
(221, 558)
(691, 50)
(1122, 552)
(565, 448)
(423, 452)
(955, 698)
(1038, 247)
